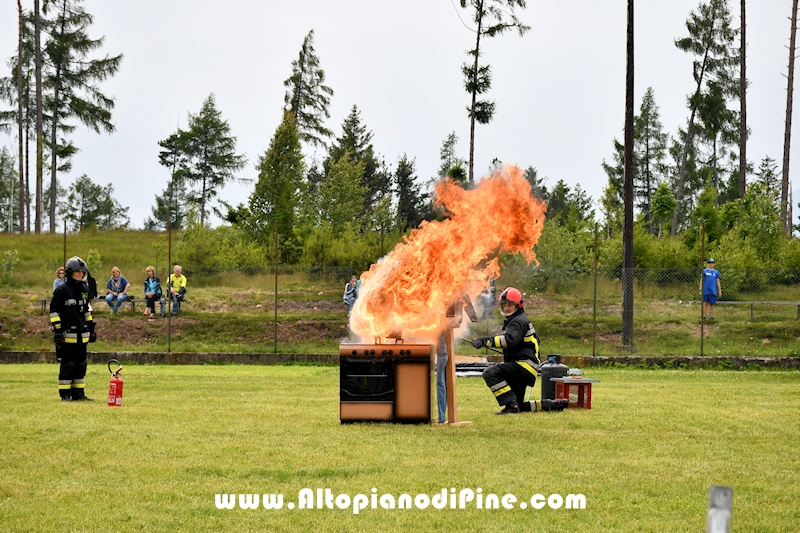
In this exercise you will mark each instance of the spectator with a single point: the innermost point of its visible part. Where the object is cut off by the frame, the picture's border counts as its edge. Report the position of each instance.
(711, 289)
(176, 284)
(61, 277)
(152, 292)
(117, 289)
(351, 294)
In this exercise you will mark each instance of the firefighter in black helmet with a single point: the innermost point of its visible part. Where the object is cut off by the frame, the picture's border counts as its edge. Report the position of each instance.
(73, 327)
(520, 344)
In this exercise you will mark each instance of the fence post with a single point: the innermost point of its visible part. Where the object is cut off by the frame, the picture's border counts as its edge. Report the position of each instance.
(594, 297)
(720, 507)
(702, 281)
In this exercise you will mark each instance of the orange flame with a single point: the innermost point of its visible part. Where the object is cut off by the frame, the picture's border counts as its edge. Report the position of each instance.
(410, 290)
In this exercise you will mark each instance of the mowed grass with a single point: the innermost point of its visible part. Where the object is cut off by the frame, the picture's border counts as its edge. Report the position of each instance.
(644, 456)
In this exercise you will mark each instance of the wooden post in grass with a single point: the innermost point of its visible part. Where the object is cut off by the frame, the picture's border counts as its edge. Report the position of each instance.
(720, 508)
(454, 312)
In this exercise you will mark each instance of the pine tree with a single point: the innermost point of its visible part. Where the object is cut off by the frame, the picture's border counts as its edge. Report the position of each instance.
(73, 79)
(210, 155)
(710, 41)
(342, 194)
(307, 98)
(409, 200)
(274, 203)
(491, 18)
(650, 150)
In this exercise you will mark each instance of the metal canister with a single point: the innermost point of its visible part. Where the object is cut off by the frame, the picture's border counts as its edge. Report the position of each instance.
(552, 368)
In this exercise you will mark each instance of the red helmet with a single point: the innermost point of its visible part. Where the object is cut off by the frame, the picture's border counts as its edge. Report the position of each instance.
(511, 295)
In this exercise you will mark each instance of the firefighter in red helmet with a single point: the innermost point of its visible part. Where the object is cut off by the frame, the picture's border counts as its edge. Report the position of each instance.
(520, 344)
(73, 327)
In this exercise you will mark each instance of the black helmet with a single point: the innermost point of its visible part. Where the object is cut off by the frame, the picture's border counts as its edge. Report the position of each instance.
(75, 264)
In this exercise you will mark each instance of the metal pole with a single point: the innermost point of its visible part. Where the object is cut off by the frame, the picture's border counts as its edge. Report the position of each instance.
(594, 298)
(720, 509)
(169, 252)
(275, 330)
(65, 242)
(702, 303)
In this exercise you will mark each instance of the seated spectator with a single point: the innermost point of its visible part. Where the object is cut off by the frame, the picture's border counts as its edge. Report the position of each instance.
(117, 289)
(61, 277)
(152, 292)
(176, 285)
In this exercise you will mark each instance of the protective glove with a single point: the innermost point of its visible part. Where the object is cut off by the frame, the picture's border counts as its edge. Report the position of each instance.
(479, 342)
(92, 337)
(58, 338)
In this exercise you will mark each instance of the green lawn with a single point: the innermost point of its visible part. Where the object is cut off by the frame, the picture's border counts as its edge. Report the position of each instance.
(644, 456)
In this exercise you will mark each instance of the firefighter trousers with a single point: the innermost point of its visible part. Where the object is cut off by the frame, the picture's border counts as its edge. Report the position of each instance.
(508, 381)
(72, 372)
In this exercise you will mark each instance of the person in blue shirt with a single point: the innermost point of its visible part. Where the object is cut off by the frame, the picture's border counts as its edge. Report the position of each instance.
(711, 288)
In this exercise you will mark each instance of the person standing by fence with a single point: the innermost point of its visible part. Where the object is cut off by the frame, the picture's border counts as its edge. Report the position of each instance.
(711, 289)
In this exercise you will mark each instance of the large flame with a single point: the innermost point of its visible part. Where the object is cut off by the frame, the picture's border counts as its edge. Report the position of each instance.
(410, 290)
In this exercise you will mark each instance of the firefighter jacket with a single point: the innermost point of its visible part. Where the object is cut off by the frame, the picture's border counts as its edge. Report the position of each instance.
(70, 312)
(518, 340)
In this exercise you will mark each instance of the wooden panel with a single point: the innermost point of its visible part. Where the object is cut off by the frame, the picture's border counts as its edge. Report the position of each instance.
(412, 391)
(365, 411)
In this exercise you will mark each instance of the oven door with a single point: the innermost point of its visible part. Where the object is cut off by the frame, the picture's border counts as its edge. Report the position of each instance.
(366, 380)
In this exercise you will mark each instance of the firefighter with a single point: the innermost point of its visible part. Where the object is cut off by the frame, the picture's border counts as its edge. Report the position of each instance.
(73, 327)
(520, 344)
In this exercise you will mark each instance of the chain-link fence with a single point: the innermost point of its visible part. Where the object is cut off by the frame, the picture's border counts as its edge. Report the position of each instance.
(576, 311)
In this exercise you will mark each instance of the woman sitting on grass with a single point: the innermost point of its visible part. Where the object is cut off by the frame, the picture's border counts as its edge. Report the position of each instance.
(152, 291)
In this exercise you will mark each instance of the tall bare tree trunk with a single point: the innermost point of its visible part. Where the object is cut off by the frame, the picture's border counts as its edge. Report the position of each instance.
(471, 176)
(54, 130)
(37, 24)
(743, 110)
(686, 144)
(20, 130)
(27, 180)
(627, 232)
(787, 136)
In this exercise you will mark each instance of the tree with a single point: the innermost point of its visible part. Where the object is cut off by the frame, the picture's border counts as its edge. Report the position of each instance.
(567, 208)
(342, 194)
(448, 157)
(627, 227)
(37, 21)
(650, 149)
(210, 155)
(274, 202)
(718, 127)
(307, 98)
(768, 174)
(20, 118)
(492, 18)
(786, 222)
(356, 142)
(663, 205)
(742, 104)
(8, 217)
(89, 204)
(538, 188)
(409, 200)
(172, 204)
(74, 81)
(710, 41)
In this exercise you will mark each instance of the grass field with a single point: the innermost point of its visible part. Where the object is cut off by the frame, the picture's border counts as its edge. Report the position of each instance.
(644, 456)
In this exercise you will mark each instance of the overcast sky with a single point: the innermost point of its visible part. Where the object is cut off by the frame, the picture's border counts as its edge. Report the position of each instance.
(559, 90)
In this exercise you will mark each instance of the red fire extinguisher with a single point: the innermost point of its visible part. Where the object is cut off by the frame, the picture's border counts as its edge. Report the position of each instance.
(115, 386)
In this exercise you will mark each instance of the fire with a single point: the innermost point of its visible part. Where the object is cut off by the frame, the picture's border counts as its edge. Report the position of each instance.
(410, 290)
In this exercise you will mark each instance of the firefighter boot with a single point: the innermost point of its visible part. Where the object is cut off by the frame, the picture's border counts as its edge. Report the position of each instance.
(509, 409)
(554, 405)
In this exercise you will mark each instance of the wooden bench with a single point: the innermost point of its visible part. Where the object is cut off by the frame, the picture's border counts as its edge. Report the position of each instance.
(45, 302)
(752, 304)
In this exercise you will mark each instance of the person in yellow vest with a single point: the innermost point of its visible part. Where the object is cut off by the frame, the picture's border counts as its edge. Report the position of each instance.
(176, 285)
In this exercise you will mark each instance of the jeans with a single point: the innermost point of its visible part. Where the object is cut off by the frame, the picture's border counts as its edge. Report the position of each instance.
(441, 371)
(115, 301)
(176, 303)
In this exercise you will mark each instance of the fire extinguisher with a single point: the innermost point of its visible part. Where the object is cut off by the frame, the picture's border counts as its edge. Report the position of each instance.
(115, 386)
